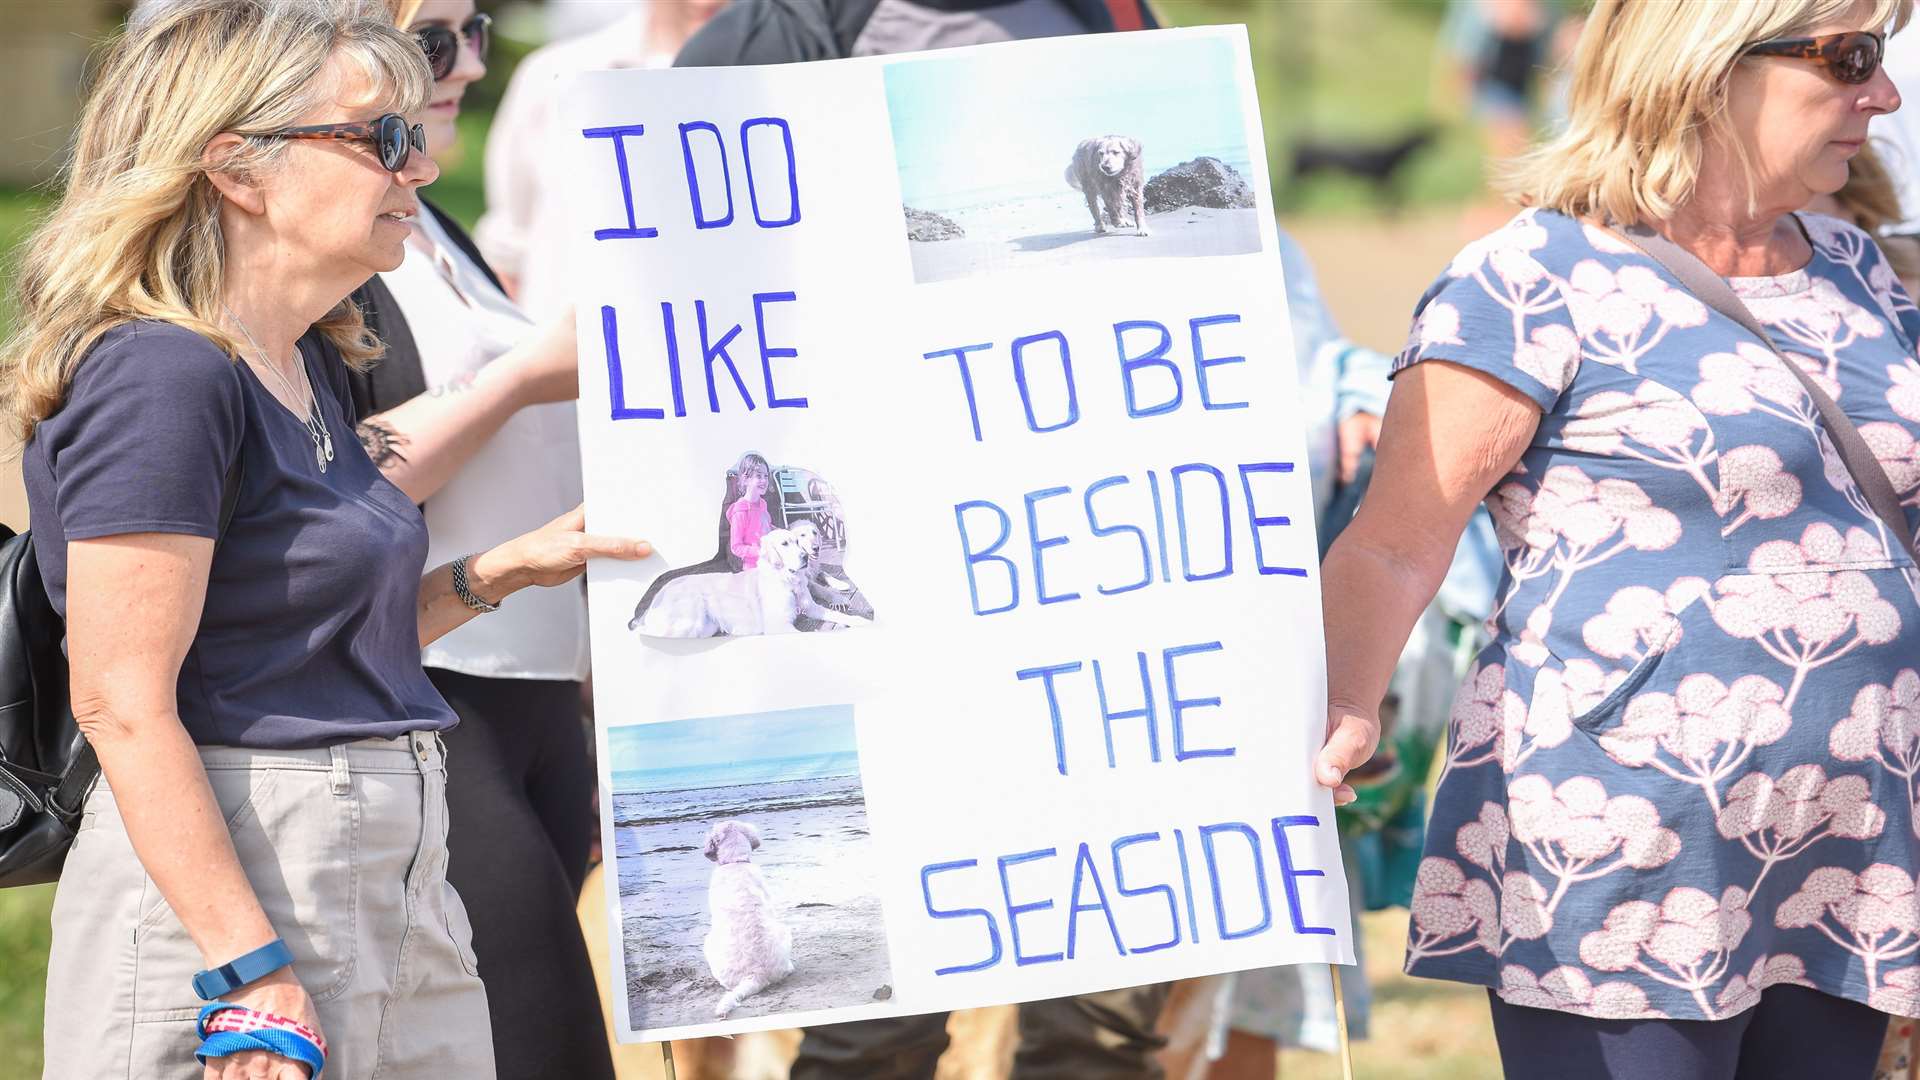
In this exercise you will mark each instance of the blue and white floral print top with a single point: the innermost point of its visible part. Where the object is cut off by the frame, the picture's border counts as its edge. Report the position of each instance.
(1685, 769)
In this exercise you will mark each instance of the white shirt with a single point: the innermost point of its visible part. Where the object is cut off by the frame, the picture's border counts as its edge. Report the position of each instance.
(524, 230)
(525, 476)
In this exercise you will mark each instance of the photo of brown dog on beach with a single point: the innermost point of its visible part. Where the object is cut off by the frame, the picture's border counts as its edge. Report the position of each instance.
(1108, 172)
(1170, 140)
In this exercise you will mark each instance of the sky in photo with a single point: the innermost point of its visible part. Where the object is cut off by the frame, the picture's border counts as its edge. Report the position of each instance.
(720, 751)
(1000, 126)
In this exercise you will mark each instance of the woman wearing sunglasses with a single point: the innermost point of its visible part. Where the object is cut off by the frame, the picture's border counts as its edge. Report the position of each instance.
(470, 413)
(1674, 832)
(259, 878)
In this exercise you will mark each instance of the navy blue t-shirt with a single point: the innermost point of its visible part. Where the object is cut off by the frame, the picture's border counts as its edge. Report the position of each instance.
(310, 630)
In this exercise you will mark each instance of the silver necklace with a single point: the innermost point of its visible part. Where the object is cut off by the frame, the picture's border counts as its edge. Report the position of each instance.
(315, 423)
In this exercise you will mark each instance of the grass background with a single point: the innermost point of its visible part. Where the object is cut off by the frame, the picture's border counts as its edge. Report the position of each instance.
(1353, 70)
(23, 912)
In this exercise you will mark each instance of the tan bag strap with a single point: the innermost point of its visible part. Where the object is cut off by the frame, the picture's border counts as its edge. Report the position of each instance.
(1713, 290)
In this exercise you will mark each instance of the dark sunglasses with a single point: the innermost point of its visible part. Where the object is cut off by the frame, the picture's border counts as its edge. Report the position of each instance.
(1852, 57)
(442, 43)
(389, 135)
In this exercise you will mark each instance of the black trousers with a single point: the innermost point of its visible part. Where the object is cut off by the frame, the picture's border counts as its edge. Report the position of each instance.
(1107, 1036)
(1795, 1033)
(520, 822)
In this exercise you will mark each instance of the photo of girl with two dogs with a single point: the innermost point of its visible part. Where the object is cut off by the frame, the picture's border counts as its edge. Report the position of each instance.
(780, 566)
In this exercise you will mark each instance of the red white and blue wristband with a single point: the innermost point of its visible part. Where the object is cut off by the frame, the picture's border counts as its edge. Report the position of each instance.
(227, 1029)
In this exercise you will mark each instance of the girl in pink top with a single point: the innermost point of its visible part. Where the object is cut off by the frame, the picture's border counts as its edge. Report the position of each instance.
(747, 517)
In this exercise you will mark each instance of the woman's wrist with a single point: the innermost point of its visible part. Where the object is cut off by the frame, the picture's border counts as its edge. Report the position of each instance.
(277, 986)
(224, 976)
(516, 383)
(229, 949)
(493, 575)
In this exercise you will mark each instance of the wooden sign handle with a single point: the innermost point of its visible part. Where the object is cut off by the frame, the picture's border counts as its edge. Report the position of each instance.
(1340, 1023)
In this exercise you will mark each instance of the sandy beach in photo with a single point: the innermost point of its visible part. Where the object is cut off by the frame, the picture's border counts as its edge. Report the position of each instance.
(1056, 230)
(814, 858)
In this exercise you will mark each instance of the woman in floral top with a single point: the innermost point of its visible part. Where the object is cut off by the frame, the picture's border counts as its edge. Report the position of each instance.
(1675, 830)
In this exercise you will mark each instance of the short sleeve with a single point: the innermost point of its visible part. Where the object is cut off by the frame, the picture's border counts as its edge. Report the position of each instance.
(151, 424)
(1497, 311)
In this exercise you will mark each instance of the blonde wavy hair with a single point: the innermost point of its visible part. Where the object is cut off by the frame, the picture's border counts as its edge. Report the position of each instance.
(136, 233)
(1650, 81)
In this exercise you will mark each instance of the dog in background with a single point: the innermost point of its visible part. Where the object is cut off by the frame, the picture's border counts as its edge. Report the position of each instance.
(1107, 170)
(748, 946)
(1379, 163)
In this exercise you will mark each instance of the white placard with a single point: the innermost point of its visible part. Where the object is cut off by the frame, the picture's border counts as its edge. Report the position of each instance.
(986, 599)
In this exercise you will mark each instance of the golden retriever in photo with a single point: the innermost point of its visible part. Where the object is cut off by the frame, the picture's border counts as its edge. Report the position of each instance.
(756, 601)
(748, 946)
(1107, 171)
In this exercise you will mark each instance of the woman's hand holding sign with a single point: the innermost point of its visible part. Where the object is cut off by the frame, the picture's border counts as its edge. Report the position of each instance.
(1352, 735)
(553, 554)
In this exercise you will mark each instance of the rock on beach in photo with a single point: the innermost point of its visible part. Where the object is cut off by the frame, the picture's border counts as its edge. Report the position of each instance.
(927, 226)
(1204, 181)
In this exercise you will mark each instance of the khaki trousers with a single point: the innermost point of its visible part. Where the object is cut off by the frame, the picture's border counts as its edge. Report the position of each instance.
(346, 849)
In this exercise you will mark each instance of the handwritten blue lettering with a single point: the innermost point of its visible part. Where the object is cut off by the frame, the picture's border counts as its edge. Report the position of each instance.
(619, 134)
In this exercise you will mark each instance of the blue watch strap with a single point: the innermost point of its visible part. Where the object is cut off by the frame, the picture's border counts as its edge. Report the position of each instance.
(238, 972)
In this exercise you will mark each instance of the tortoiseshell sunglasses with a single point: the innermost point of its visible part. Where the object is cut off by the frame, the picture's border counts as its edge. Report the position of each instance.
(389, 134)
(1851, 57)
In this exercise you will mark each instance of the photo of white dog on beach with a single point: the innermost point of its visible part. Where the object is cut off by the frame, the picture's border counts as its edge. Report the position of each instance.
(780, 567)
(1009, 163)
(742, 854)
(749, 945)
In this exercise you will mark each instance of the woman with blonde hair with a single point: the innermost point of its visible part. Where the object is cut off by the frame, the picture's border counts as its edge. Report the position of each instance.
(259, 877)
(1674, 831)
